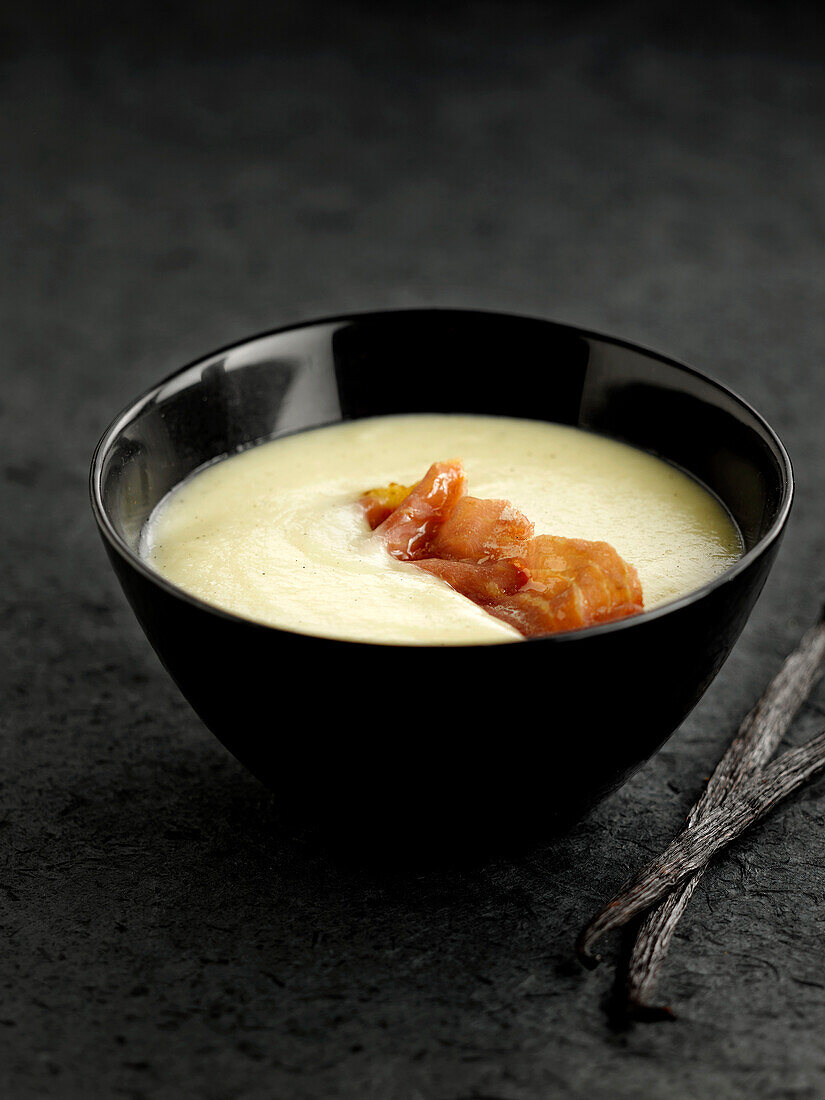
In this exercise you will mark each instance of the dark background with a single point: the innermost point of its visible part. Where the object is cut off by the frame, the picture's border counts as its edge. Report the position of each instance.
(176, 177)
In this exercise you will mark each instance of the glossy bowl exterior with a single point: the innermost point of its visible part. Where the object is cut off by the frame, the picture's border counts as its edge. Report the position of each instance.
(478, 743)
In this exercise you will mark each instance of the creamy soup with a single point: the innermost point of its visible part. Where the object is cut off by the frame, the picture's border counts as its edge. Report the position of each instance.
(276, 533)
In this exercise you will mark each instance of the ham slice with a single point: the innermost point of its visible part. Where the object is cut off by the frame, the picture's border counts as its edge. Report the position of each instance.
(407, 531)
(486, 583)
(534, 612)
(486, 550)
(481, 530)
(609, 587)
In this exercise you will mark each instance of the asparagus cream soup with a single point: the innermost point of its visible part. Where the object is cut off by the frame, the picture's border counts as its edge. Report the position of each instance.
(279, 534)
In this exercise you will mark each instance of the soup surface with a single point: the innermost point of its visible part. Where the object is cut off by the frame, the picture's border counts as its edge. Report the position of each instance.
(277, 534)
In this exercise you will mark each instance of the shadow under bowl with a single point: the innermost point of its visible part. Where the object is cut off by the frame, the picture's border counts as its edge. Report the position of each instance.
(460, 745)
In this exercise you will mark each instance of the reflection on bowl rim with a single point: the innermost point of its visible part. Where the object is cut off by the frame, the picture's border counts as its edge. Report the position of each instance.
(130, 411)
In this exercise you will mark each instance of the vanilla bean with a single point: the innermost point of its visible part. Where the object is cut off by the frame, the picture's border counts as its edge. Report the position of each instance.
(765, 726)
(755, 743)
(650, 950)
(697, 844)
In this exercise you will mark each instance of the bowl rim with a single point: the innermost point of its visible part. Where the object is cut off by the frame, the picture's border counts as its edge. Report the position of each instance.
(135, 406)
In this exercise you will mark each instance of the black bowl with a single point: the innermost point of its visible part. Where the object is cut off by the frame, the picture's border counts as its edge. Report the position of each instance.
(476, 743)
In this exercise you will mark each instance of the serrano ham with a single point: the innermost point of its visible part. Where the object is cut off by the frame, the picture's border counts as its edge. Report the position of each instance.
(481, 530)
(408, 529)
(487, 551)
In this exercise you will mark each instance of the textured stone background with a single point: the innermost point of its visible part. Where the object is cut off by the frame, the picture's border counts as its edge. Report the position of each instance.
(173, 180)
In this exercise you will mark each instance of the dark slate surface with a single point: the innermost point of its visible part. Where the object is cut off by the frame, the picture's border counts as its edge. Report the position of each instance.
(177, 181)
